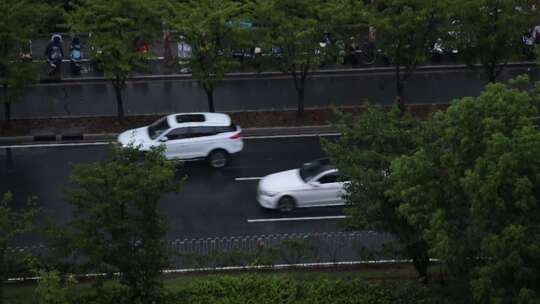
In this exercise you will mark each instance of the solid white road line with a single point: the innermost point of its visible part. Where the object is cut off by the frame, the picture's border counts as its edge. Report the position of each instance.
(285, 219)
(56, 145)
(247, 178)
(291, 136)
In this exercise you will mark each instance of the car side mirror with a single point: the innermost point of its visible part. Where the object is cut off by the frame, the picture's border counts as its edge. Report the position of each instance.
(314, 184)
(163, 139)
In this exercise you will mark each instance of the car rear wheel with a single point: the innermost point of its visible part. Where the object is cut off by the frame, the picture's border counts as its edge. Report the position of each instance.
(286, 204)
(218, 159)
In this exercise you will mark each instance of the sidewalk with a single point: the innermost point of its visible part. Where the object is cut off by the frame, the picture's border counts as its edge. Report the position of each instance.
(158, 71)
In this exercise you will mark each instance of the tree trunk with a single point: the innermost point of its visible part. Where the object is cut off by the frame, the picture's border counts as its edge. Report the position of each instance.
(492, 77)
(399, 82)
(7, 107)
(400, 102)
(420, 259)
(210, 96)
(7, 113)
(167, 52)
(119, 102)
(300, 98)
(299, 85)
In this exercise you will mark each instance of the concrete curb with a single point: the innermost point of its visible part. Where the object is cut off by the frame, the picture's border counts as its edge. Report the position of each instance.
(330, 71)
(60, 138)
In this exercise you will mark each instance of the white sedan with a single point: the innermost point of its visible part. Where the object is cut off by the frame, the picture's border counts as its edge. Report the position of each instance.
(315, 184)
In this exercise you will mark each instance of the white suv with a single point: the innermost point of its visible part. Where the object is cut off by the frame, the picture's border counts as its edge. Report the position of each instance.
(189, 136)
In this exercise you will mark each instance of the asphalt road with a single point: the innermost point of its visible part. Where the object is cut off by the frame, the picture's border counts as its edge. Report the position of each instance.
(211, 203)
(250, 92)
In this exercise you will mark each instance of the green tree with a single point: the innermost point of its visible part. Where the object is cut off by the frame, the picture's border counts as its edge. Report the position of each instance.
(407, 29)
(473, 190)
(488, 32)
(364, 154)
(19, 22)
(12, 223)
(295, 29)
(116, 225)
(116, 27)
(50, 289)
(209, 26)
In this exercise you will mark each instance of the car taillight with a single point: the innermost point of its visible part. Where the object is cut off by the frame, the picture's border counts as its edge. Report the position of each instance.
(236, 136)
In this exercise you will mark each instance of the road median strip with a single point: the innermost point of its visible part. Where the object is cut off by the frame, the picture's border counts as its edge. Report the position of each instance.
(92, 139)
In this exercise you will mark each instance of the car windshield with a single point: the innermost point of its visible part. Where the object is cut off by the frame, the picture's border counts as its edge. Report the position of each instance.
(309, 170)
(158, 127)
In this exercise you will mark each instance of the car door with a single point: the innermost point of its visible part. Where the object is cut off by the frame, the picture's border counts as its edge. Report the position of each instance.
(177, 143)
(323, 190)
(202, 140)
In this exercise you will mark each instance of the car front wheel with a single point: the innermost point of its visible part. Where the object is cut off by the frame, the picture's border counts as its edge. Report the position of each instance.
(218, 159)
(286, 204)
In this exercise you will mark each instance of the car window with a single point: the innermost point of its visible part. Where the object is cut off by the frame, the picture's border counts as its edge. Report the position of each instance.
(202, 131)
(314, 168)
(178, 133)
(230, 128)
(329, 178)
(158, 127)
(190, 118)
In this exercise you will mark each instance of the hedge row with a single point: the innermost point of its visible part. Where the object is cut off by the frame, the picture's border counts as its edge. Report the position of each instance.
(266, 289)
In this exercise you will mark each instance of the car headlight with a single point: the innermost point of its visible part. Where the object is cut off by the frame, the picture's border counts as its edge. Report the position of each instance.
(267, 193)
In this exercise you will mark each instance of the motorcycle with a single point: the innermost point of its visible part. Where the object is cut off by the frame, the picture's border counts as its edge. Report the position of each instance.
(54, 66)
(54, 55)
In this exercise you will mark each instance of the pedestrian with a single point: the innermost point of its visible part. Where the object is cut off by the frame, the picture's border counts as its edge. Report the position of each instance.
(535, 35)
(184, 49)
(350, 51)
(185, 52)
(141, 46)
(25, 52)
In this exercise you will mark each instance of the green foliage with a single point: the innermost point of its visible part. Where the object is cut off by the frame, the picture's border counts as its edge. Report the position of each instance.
(473, 189)
(13, 222)
(364, 154)
(115, 28)
(20, 21)
(208, 26)
(284, 289)
(51, 289)
(489, 31)
(116, 225)
(408, 29)
(296, 28)
(294, 251)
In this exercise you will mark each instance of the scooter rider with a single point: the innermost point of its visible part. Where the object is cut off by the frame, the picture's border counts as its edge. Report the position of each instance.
(75, 55)
(54, 53)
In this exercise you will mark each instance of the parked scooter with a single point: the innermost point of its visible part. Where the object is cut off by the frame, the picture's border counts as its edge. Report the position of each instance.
(75, 56)
(54, 54)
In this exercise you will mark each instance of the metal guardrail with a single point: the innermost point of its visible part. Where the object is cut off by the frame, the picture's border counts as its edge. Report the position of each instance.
(325, 247)
(321, 247)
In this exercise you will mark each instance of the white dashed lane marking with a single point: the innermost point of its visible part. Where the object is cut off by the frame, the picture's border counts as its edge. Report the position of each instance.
(285, 219)
(247, 178)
